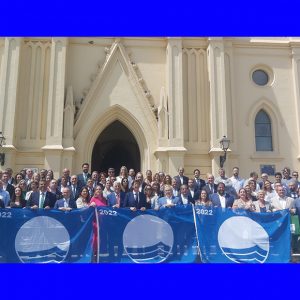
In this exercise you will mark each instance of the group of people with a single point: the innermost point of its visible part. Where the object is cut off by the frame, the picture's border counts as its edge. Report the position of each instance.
(132, 190)
(155, 191)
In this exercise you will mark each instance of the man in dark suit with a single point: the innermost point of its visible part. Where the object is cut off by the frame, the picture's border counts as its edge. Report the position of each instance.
(9, 171)
(66, 174)
(221, 199)
(85, 175)
(199, 183)
(116, 199)
(135, 199)
(210, 187)
(95, 179)
(180, 178)
(7, 186)
(184, 196)
(193, 191)
(42, 198)
(54, 190)
(66, 203)
(75, 187)
(139, 176)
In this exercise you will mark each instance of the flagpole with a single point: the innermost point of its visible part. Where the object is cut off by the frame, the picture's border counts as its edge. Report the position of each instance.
(198, 243)
(98, 237)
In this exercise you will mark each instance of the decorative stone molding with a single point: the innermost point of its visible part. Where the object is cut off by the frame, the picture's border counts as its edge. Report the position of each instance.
(139, 81)
(69, 112)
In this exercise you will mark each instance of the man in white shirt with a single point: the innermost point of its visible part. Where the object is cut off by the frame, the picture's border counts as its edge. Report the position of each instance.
(175, 188)
(185, 197)
(237, 182)
(168, 200)
(66, 203)
(222, 199)
(281, 201)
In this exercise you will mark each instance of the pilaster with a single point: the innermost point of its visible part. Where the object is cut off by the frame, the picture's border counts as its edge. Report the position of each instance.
(9, 75)
(54, 134)
(296, 86)
(218, 98)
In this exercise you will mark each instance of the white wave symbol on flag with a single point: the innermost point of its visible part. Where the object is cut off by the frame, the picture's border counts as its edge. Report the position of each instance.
(148, 239)
(243, 240)
(253, 254)
(149, 254)
(42, 240)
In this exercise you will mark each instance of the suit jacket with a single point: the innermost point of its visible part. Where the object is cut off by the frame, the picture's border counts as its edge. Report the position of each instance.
(162, 201)
(141, 188)
(208, 190)
(68, 180)
(34, 199)
(189, 198)
(11, 180)
(196, 195)
(61, 203)
(216, 200)
(131, 202)
(276, 205)
(81, 178)
(58, 194)
(185, 180)
(91, 191)
(77, 193)
(112, 199)
(176, 192)
(10, 189)
(199, 185)
(257, 208)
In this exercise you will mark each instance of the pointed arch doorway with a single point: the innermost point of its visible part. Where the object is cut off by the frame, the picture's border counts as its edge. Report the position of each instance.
(115, 147)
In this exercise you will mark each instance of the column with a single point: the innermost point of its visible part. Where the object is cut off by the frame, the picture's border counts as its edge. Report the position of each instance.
(296, 77)
(174, 93)
(55, 113)
(9, 75)
(218, 99)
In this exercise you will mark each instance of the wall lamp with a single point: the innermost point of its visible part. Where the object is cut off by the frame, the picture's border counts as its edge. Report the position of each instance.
(224, 143)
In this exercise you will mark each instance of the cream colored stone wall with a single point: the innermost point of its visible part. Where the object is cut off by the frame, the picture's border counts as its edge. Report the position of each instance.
(277, 99)
(32, 99)
(199, 89)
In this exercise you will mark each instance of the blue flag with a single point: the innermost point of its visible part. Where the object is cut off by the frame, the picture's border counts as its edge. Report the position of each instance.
(46, 236)
(238, 236)
(167, 235)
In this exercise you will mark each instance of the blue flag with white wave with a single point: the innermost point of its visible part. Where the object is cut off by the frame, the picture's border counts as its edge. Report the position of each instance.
(46, 236)
(238, 236)
(167, 235)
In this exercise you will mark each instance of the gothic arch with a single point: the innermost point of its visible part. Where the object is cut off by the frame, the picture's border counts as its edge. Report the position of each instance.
(268, 107)
(114, 113)
(274, 115)
(116, 94)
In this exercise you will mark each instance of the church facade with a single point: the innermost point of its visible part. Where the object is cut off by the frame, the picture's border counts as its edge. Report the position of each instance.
(150, 103)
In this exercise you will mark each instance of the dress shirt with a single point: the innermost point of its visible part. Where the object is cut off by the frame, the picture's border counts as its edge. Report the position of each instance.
(222, 200)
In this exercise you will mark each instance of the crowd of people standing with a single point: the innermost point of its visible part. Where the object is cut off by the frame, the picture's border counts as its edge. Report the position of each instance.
(152, 191)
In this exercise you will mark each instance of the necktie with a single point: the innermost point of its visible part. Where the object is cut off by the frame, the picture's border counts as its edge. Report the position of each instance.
(42, 200)
(84, 177)
(66, 204)
(118, 198)
(74, 191)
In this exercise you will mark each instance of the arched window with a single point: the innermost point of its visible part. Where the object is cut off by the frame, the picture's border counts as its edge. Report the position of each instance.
(263, 132)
